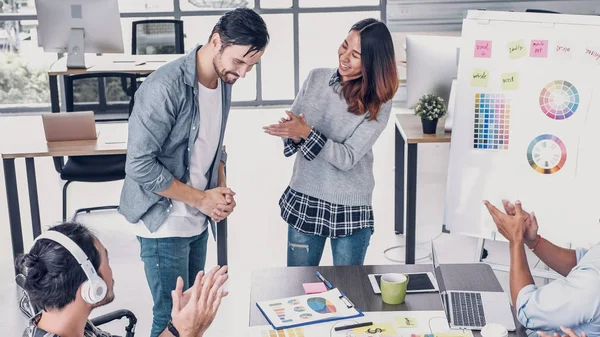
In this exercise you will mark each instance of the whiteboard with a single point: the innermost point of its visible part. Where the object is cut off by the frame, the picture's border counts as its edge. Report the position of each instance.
(526, 124)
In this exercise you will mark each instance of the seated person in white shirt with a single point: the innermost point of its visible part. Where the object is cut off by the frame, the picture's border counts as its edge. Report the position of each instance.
(573, 301)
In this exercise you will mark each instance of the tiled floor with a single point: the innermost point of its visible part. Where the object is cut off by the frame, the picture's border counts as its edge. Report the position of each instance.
(258, 172)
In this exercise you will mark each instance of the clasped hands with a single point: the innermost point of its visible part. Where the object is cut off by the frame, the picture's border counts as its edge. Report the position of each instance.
(218, 203)
(292, 127)
(515, 224)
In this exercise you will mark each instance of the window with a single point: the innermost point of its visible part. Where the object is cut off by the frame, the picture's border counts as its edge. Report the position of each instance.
(128, 6)
(276, 3)
(278, 61)
(207, 5)
(23, 65)
(320, 36)
(337, 3)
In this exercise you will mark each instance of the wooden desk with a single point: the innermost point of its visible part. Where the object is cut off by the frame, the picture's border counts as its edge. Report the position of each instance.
(270, 284)
(408, 135)
(27, 140)
(103, 64)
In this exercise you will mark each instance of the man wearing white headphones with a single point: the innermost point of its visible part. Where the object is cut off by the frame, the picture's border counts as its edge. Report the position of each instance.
(68, 274)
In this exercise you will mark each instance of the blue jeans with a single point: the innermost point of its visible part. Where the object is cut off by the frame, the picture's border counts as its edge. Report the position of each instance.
(307, 249)
(165, 259)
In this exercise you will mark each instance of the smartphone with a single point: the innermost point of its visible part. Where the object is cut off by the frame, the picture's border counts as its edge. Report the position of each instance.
(417, 283)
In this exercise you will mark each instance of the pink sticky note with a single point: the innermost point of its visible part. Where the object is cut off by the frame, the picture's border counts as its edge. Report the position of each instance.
(483, 48)
(539, 48)
(314, 288)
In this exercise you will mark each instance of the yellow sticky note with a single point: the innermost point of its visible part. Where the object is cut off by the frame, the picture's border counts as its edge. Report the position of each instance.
(406, 322)
(480, 78)
(517, 49)
(379, 330)
(510, 81)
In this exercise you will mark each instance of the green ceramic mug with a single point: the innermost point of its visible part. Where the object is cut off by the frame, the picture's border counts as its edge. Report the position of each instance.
(393, 288)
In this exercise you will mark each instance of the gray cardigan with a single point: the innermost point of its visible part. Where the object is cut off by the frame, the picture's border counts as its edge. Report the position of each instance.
(342, 172)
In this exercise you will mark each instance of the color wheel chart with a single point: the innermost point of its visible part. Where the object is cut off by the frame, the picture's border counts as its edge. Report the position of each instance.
(547, 154)
(492, 122)
(559, 99)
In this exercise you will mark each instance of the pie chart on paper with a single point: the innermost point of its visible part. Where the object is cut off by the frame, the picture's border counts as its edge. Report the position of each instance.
(321, 305)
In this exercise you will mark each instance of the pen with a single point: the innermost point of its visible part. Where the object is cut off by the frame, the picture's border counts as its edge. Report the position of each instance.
(329, 285)
(352, 326)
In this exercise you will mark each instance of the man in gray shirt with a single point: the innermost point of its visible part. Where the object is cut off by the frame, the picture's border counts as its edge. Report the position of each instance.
(175, 183)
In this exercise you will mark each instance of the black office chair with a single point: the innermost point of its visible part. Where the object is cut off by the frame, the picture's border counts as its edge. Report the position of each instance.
(157, 37)
(110, 92)
(29, 309)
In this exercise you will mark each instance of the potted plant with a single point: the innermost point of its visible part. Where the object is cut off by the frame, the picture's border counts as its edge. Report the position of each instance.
(430, 108)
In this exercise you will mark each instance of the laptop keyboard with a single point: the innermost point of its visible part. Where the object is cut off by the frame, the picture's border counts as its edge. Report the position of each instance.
(467, 309)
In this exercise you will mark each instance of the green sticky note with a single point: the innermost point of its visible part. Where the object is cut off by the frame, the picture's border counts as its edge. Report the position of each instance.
(517, 49)
(480, 78)
(406, 322)
(510, 81)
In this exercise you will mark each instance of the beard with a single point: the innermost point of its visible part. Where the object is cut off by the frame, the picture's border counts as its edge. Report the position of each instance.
(226, 76)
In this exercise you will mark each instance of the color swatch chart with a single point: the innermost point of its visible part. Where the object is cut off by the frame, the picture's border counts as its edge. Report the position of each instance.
(297, 332)
(491, 122)
(547, 154)
(559, 99)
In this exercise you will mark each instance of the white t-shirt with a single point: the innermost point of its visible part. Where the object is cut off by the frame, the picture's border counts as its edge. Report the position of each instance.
(185, 220)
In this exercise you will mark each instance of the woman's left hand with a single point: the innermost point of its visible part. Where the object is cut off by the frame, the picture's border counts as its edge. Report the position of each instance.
(296, 127)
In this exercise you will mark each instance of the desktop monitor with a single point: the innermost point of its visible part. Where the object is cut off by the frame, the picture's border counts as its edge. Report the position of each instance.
(78, 27)
(431, 65)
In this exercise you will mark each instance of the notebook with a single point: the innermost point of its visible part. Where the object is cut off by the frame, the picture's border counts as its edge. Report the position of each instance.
(308, 309)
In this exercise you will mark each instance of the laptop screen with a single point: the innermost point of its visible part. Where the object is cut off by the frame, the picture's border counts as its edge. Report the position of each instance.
(436, 270)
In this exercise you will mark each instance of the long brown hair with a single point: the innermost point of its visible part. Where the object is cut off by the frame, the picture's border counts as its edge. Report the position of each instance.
(379, 80)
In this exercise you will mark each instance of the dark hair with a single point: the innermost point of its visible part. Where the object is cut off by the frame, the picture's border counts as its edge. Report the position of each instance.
(52, 274)
(379, 80)
(242, 27)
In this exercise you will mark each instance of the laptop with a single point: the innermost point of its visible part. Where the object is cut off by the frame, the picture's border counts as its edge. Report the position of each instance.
(472, 309)
(69, 126)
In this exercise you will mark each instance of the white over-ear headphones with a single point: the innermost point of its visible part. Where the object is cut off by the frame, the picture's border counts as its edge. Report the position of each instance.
(94, 289)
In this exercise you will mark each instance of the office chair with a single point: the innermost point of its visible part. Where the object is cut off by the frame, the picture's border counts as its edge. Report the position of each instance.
(157, 37)
(108, 88)
(29, 309)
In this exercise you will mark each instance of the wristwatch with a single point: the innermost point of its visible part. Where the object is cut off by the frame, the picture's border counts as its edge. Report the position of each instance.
(172, 329)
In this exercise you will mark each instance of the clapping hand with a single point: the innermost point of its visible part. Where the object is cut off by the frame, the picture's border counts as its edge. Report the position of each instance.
(293, 127)
(194, 310)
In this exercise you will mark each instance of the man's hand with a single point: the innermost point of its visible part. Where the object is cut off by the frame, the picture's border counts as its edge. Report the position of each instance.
(194, 310)
(295, 128)
(568, 333)
(531, 229)
(512, 227)
(209, 200)
(223, 211)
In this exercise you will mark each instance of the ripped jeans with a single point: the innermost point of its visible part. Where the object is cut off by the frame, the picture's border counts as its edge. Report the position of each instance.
(306, 250)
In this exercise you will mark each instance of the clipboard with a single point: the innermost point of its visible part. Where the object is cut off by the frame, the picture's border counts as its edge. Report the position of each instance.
(304, 310)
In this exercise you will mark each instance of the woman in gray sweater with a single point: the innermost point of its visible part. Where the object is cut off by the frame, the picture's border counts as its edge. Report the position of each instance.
(334, 122)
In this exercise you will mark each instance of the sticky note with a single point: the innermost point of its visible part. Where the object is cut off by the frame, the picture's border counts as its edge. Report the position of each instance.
(562, 51)
(314, 288)
(483, 48)
(538, 48)
(517, 49)
(510, 81)
(592, 55)
(406, 322)
(480, 78)
(379, 329)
